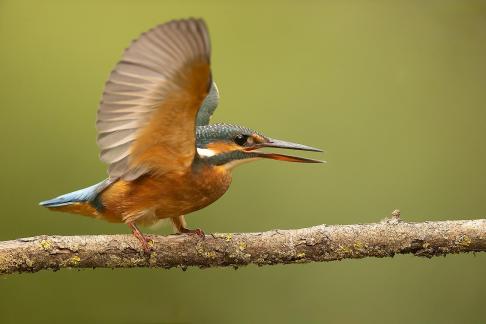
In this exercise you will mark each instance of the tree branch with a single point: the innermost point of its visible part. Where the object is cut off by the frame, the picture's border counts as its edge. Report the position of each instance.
(318, 243)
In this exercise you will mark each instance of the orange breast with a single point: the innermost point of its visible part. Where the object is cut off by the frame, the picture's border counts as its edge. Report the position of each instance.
(153, 197)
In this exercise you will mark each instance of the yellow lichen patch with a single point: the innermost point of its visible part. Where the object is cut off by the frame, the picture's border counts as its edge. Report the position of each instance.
(206, 254)
(358, 245)
(29, 263)
(344, 250)
(228, 237)
(74, 261)
(463, 241)
(301, 255)
(199, 248)
(242, 246)
(153, 259)
(45, 244)
(151, 243)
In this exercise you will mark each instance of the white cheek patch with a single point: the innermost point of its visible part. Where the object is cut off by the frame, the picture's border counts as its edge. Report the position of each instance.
(205, 152)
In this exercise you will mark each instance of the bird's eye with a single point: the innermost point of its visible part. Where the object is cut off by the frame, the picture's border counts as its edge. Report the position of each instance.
(241, 139)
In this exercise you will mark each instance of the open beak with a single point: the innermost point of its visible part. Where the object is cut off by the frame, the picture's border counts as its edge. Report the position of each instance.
(285, 145)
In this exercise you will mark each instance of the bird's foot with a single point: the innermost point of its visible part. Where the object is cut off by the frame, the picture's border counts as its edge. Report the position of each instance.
(197, 231)
(142, 238)
(146, 243)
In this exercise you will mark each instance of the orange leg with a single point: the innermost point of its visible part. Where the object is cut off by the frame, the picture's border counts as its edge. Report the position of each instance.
(143, 240)
(179, 224)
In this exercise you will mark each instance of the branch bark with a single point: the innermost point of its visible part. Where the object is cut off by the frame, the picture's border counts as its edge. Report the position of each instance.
(318, 243)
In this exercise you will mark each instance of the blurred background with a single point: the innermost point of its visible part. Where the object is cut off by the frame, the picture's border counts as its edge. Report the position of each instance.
(395, 92)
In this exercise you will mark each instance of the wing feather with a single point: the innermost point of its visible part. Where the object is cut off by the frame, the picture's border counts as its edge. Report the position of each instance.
(147, 115)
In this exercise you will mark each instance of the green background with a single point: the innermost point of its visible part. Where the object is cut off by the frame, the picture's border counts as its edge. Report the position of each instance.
(394, 91)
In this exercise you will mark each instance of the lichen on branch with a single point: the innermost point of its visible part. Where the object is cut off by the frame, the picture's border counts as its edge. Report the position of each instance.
(315, 244)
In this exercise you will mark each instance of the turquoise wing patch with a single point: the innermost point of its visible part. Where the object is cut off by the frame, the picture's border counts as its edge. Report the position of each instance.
(208, 106)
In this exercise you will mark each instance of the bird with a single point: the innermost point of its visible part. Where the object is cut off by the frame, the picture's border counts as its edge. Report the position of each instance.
(165, 160)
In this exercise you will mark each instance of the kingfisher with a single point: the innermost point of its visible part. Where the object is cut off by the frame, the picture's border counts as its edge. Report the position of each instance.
(164, 158)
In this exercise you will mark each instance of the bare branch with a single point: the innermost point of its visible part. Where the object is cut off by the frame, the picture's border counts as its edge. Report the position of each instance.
(318, 243)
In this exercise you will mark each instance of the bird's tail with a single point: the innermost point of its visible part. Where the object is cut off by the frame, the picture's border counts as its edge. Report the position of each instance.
(82, 201)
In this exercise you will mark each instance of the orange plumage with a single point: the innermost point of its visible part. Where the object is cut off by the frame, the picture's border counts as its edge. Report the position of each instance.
(151, 197)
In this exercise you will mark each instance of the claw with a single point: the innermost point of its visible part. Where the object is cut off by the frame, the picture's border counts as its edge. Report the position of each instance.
(199, 232)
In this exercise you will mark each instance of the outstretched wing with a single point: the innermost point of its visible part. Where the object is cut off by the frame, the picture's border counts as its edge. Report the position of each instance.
(208, 107)
(147, 116)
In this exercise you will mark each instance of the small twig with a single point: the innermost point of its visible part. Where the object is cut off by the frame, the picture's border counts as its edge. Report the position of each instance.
(319, 243)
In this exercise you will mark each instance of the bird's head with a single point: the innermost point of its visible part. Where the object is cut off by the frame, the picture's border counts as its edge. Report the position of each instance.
(230, 145)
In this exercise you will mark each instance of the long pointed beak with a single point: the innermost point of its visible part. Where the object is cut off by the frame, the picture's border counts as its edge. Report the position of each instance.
(286, 145)
(288, 158)
(289, 145)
